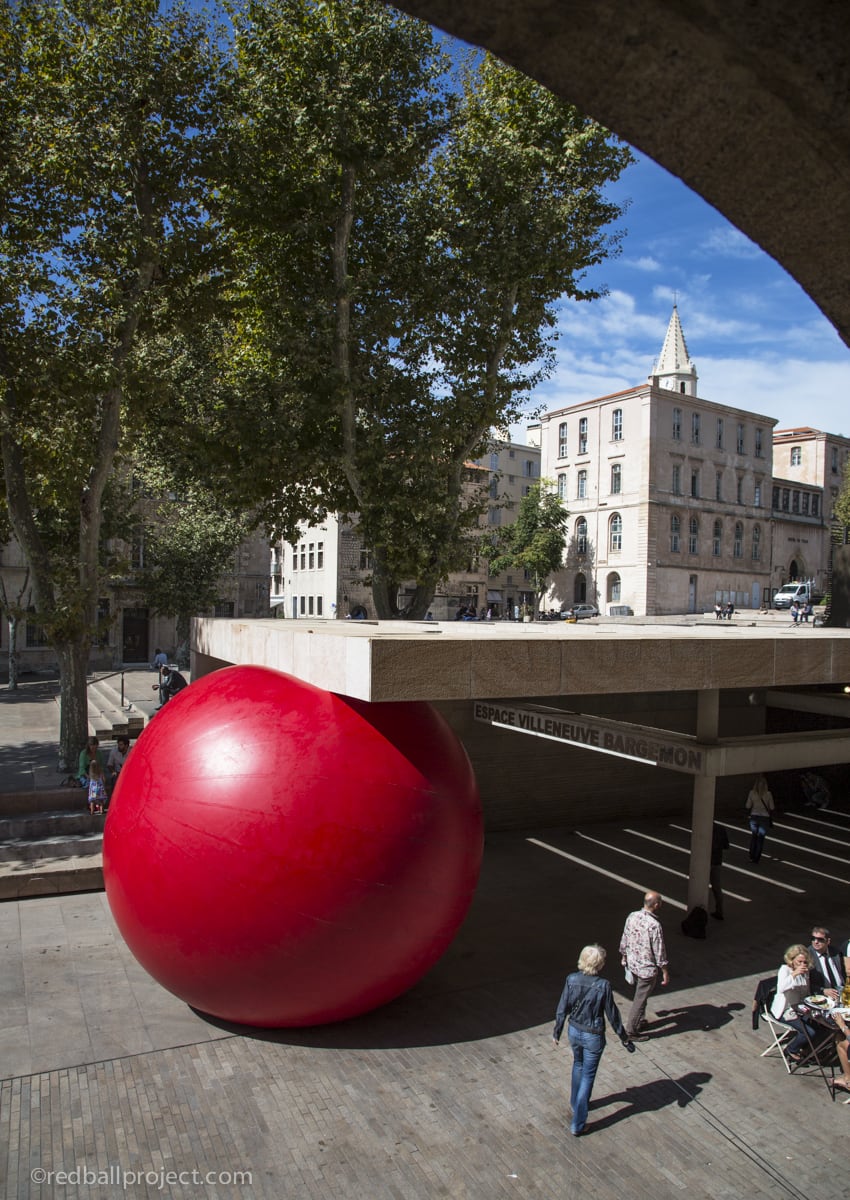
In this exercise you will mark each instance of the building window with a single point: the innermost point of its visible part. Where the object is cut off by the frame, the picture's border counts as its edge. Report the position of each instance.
(676, 485)
(719, 439)
(795, 501)
(738, 544)
(815, 506)
(365, 560)
(718, 486)
(562, 440)
(526, 491)
(581, 536)
(616, 540)
(804, 504)
(223, 608)
(695, 428)
(530, 468)
(759, 452)
(614, 588)
(320, 555)
(35, 633)
(677, 424)
(695, 483)
(581, 488)
(835, 460)
(318, 606)
(717, 539)
(693, 535)
(303, 606)
(756, 543)
(137, 549)
(311, 556)
(740, 441)
(796, 456)
(303, 556)
(786, 499)
(616, 479)
(757, 495)
(562, 487)
(675, 531)
(582, 436)
(617, 425)
(310, 606)
(494, 462)
(776, 499)
(739, 489)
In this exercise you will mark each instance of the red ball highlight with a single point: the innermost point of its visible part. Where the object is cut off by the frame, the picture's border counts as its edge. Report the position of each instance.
(279, 855)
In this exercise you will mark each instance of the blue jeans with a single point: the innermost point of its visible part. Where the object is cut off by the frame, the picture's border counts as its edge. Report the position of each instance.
(587, 1050)
(758, 829)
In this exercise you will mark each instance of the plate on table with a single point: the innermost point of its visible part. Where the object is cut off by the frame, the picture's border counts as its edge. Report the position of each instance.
(817, 1001)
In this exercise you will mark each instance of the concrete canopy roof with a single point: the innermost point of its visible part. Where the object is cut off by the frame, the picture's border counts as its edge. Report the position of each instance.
(401, 660)
(747, 103)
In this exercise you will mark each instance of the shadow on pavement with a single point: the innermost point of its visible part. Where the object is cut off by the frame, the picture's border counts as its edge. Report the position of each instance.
(648, 1097)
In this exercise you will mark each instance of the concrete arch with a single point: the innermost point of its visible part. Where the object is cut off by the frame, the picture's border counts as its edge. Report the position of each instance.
(746, 103)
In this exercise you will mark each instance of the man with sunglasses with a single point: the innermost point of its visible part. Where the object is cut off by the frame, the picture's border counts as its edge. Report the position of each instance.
(827, 975)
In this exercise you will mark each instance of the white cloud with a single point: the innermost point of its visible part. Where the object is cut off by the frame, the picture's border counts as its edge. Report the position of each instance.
(645, 263)
(728, 242)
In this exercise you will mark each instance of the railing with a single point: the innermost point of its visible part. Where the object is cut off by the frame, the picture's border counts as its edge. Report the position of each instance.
(111, 675)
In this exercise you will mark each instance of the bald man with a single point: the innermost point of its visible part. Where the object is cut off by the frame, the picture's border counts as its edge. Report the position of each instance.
(642, 952)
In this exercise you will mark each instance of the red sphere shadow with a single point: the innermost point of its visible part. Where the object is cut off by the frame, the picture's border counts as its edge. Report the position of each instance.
(278, 855)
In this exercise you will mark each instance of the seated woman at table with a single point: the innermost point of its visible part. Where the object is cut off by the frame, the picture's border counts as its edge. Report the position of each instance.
(792, 987)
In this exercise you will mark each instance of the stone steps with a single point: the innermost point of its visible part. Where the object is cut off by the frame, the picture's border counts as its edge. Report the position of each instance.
(107, 719)
(49, 844)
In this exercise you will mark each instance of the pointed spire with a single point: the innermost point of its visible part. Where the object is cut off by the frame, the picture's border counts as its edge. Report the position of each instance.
(674, 367)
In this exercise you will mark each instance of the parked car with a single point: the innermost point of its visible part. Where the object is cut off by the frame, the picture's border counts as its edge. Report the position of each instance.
(579, 611)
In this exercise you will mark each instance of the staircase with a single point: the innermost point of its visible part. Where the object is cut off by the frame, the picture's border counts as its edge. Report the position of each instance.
(49, 844)
(107, 718)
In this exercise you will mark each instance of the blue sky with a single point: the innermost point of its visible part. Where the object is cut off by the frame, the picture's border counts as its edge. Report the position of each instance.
(757, 339)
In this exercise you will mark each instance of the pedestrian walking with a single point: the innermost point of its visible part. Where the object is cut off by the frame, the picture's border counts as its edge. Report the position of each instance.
(644, 955)
(760, 807)
(719, 843)
(587, 1000)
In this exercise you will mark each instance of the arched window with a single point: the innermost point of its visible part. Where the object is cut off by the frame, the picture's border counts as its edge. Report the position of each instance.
(562, 440)
(738, 545)
(693, 535)
(616, 528)
(717, 539)
(675, 531)
(581, 535)
(580, 588)
(562, 487)
(756, 543)
(613, 588)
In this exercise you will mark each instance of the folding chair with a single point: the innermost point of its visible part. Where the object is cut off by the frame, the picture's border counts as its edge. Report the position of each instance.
(780, 1033)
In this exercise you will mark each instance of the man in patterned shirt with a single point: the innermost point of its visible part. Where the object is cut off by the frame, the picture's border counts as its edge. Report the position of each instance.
(643, 954)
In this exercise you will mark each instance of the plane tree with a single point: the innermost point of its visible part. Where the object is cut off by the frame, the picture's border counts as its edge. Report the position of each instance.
(106, 242)
(402, 241)
(535, 542)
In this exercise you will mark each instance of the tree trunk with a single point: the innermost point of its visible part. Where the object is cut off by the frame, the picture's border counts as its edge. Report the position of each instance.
(13, 654)
(74, 706)
(385, 591)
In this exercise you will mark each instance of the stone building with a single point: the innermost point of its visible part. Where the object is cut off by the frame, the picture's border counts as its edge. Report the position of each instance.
(673, 499)
(327, 572)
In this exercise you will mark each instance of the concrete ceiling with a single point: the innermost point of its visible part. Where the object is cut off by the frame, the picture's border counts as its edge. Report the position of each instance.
(748, 103)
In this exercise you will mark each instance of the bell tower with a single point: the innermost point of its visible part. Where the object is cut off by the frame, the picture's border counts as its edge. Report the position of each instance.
(674, 369)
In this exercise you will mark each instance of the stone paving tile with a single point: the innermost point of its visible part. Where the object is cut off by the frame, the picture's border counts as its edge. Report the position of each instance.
(454, 1089)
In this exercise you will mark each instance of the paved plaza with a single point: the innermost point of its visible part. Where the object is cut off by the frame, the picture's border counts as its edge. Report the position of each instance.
(454, 1089)
(111, 1087)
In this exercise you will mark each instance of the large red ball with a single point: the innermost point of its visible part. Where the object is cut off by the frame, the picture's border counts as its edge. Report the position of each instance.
(276, 855)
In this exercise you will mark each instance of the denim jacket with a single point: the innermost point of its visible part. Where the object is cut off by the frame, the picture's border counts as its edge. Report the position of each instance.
(588, 1000)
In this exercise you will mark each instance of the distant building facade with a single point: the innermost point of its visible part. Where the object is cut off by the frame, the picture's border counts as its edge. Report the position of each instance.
(327, 572)
(673, 500)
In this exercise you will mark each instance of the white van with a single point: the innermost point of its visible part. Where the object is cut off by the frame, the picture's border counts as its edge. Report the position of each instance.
(789, 592)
